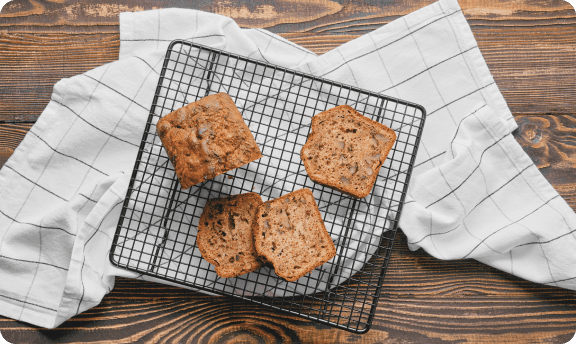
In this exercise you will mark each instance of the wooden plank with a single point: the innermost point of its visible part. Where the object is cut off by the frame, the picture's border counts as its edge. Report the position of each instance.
(30, 65)
(282, 15)
(531, 83)
(424, 300)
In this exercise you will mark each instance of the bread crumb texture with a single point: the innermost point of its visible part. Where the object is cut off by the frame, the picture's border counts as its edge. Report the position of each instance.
(290, 234)
(345, 150)
(225, 234)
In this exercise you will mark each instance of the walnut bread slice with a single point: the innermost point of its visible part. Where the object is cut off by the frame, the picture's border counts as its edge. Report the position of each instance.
(345, 150)
(290, 234)
(206, 138)
(225, 234)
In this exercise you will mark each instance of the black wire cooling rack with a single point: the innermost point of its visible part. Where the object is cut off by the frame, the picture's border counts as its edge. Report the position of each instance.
(156, 232)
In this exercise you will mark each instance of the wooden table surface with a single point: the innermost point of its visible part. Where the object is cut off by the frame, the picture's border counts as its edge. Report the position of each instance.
(530, 47)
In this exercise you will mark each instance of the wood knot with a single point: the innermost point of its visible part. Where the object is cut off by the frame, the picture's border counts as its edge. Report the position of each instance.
(530, 132)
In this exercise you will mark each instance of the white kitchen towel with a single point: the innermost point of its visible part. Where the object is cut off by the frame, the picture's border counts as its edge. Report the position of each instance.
(62, 190)
(488, 201)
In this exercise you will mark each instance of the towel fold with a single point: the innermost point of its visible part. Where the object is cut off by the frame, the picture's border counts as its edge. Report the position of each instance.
(488, 201)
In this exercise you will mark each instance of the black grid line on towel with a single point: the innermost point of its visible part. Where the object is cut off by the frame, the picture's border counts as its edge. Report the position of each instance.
(157, 229)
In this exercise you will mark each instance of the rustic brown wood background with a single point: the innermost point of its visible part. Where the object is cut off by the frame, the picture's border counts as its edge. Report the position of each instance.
(530, 47)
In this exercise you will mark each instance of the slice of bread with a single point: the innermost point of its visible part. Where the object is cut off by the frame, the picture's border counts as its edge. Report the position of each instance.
(290, 234)
(346, 150)
(225, 234)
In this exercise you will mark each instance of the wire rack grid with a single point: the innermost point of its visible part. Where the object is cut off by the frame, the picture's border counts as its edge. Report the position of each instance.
(157, 229)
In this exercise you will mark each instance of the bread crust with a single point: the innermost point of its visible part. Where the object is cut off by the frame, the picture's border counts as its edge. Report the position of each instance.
(206, 138)
(345, 150)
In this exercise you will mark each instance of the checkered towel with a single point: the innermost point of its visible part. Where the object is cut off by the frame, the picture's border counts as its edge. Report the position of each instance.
(474, 193)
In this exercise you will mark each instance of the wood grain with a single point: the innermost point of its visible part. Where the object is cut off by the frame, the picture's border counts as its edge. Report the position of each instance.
(530, 47)
(105, 13)
(30, 65)
(282, 15)
(531, 83)
(550, 141)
